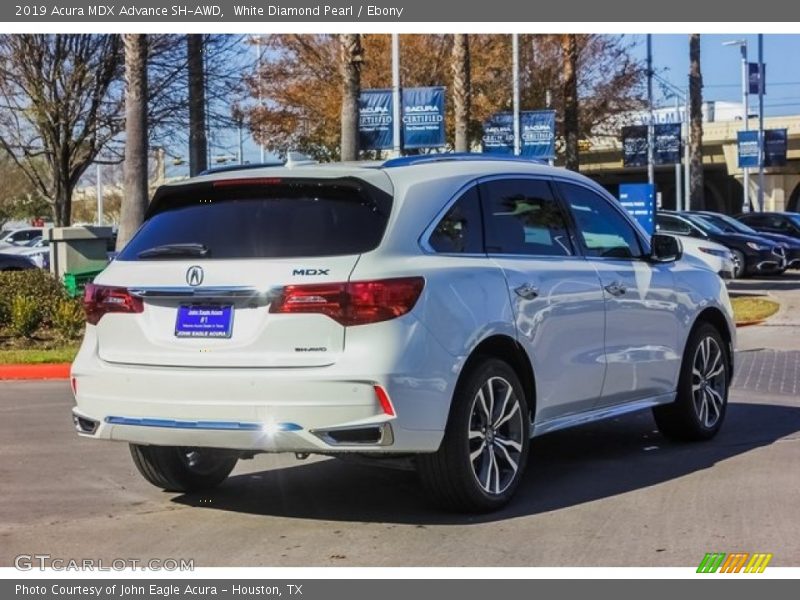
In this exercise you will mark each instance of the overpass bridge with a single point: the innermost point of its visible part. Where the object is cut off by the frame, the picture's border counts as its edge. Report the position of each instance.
(723, 186)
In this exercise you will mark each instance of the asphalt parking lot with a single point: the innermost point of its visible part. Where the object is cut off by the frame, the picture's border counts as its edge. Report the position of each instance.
(610, 494)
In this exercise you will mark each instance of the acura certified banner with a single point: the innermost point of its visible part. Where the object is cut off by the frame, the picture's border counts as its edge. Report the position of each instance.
(537, 133)
(667, 143)
(775, 147)
(634, 146)
(375, 120)
(423, 117)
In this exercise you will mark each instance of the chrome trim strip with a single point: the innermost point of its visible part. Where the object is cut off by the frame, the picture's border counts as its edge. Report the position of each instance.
(199, 425)
(198, 292)
(599, 414)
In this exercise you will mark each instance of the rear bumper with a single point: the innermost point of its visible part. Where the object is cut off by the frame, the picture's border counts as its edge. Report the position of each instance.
(271, 410)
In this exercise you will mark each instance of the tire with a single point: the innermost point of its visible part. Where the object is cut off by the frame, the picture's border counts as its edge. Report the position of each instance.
(739, 264)
(182, 469)
(699, 408)
(454, 480)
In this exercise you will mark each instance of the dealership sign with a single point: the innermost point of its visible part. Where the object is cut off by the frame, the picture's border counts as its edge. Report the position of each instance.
(639, 199)
(537, 134)
(747, 146)
(423, 117)
(634, 146)
(375, 120)
(775, 147)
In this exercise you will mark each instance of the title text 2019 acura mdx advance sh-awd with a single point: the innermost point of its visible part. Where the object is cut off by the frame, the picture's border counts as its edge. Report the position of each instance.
(443, 309)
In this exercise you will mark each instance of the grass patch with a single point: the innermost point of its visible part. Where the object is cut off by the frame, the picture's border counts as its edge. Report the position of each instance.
(35, 356)
(749, 310)
(46, 346)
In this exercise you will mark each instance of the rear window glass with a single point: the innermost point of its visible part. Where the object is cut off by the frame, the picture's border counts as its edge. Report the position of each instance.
(279, 221)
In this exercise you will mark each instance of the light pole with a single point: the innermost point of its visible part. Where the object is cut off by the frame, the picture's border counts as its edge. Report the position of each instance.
(651, 174)
(396, 109)
(515, 86)
(683, 94)
(761, 83)
(746, 117)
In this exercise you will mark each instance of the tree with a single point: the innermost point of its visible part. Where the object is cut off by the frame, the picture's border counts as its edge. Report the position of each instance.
(300, 83)
(462, 91)
(20, 198)
(198, 151)
(59, 108)
(569, 47)
(352, 56)
(696, 201)
(135, 203)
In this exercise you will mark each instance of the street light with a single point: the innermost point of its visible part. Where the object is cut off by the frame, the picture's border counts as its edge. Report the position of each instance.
(746, 101)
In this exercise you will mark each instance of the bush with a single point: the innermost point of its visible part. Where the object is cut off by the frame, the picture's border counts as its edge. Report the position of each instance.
(26, 316)
(37, 284)
(68, 319)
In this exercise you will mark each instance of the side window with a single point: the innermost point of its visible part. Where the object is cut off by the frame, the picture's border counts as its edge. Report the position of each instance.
(523, 217)
(604, 231)
(670, 224)
(460, 230)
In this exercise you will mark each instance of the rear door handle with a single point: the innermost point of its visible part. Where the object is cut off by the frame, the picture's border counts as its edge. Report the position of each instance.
(616, 288)
(527, 291)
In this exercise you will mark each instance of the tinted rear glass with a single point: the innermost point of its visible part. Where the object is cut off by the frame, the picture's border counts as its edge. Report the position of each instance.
(277, 221)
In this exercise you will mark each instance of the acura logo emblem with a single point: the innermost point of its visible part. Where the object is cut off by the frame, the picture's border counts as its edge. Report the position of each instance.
(194, 276)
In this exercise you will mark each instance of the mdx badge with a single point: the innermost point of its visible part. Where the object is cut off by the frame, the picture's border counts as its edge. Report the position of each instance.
(310, 272)
(194, 276)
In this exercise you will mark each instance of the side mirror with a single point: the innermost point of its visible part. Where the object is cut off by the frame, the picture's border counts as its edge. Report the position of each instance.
(665, 248)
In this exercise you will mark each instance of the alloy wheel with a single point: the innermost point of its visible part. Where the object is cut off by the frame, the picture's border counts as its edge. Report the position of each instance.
(708, 382)
(496, 430)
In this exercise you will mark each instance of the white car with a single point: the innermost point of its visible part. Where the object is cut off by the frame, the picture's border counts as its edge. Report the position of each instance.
(20, 236)
(440, 309)
(716, 256)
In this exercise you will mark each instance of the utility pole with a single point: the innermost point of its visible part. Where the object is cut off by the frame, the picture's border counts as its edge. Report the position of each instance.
(398, 148)
(515, 83)
(761, 85)
(745, 117)
(651, 176)
(678, 194)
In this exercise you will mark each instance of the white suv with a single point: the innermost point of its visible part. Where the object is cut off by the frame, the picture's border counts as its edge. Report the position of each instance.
(442, 310)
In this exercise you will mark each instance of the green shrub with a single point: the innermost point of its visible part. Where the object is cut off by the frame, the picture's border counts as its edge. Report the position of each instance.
(38, 284)
(26, 316)
(68, 319)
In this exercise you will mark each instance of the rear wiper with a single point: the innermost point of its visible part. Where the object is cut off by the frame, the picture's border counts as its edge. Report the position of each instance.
(189, 249)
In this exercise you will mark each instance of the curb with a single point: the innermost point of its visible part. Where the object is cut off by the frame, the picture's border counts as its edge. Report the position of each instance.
(42, 371)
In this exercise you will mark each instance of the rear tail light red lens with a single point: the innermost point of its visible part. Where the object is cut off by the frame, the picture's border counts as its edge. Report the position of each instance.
(101, 299)
(353, 303)
(384, 401)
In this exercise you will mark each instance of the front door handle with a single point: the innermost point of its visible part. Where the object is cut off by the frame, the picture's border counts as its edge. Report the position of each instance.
(527, 291)
(616, 288)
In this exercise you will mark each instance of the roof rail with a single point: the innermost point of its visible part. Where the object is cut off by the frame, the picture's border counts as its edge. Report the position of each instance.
(421, 159)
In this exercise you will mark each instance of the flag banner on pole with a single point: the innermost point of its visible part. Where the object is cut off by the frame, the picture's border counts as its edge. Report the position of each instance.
(423, 117)
(755, 77)
(747, 144)
(634, 146)
(667, 150)
(538, 131)
(775, 147)
(498, 134)
(375, 120)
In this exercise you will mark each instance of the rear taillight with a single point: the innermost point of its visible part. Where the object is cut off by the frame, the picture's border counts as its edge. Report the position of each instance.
(353, 303)
(101, 299)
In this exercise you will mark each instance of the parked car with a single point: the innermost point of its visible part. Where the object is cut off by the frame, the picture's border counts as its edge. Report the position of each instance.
(784, 223)
(728, 224)
(22, 235)
(715, 256)
(37, 250)
(751, 254)
(13, 262)
(437, 310)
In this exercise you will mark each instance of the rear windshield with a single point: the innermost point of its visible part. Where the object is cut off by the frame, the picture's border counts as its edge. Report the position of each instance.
(275, 221)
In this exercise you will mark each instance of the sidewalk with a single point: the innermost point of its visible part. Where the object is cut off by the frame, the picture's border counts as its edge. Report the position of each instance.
(782, 330)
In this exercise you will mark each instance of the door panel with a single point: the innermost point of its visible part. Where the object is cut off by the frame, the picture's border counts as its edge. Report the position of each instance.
(556, 297)
(641, 340)
(641, 348)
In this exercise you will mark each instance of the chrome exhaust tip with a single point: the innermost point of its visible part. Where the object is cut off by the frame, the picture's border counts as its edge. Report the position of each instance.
(84, 425)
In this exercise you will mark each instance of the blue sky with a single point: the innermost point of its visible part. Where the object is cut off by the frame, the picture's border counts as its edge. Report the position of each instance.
(721, 67)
